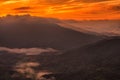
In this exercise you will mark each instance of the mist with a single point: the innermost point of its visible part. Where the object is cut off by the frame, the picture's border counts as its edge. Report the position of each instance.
(28, 51)
(99, 27)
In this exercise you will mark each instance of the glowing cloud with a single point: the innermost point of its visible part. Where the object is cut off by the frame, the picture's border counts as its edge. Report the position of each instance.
(65, 9)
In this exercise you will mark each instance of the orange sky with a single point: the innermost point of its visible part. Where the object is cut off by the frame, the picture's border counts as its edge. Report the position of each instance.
(63, 9)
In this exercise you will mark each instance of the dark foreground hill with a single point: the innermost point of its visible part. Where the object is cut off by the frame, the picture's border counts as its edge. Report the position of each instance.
(99, 61)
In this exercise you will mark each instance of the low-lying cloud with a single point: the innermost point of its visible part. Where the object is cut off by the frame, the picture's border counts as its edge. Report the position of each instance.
(103, 27)
(28, 51)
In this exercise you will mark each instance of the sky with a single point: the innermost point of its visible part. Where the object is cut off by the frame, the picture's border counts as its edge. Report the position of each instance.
(63, 9)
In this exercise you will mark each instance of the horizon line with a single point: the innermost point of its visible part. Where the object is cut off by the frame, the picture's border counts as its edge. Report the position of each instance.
(19, 15)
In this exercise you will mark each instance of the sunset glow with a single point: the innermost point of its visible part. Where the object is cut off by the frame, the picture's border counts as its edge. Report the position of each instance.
(63, 9)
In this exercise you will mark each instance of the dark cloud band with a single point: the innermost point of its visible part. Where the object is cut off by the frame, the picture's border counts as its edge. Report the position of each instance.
(22, 8)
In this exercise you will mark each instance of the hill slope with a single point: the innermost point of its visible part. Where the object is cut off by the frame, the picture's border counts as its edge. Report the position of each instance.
(99, 61)
(27, 32)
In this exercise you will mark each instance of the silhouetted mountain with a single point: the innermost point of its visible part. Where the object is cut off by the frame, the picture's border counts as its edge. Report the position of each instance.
(27, 32)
